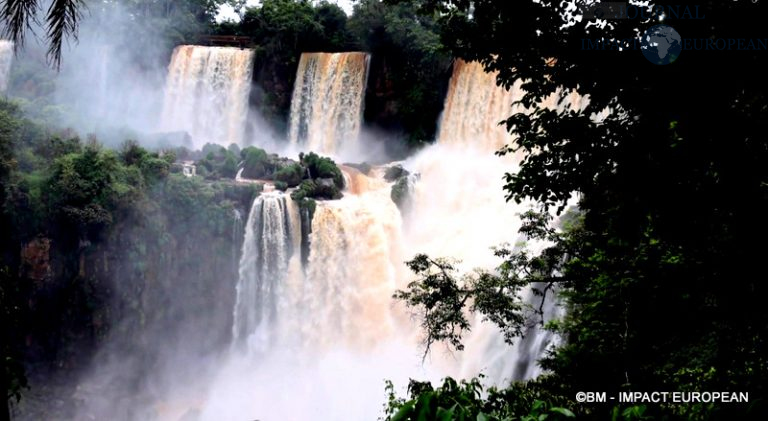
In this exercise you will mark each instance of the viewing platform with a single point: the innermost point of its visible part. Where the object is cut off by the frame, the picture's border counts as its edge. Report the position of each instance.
(226, 41)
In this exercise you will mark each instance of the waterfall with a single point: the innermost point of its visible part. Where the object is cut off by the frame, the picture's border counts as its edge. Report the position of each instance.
(354, 266)
(326, 331)
(269, 245)
(343, 297)
(237, 235)
(327, 102)
(237, 225)
(314, 300)
(6, 58)
(206, 93)
(459, 211)
(474, 107)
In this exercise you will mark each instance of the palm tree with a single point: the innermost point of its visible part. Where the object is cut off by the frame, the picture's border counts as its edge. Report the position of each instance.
(20, 17)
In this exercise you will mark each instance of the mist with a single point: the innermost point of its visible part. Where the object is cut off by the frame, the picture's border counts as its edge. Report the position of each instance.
(319, 337)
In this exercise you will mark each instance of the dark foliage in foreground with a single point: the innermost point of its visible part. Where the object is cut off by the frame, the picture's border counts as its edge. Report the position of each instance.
(662, 280)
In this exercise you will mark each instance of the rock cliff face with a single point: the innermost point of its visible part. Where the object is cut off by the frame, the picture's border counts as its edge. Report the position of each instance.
(36, 260)
(398, 104)
(124, 286)
(381, 101)
(402, 103)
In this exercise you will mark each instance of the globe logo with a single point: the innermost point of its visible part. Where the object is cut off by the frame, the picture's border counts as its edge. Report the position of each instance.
(661, 44)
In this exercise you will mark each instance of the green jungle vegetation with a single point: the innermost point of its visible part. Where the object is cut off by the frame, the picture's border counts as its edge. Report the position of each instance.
(659, 269)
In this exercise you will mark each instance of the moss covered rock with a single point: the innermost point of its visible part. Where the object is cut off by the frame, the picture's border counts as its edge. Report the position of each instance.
(364, 168)
(321, 167)
(255, 162)
(317, 189)
(402, 190)
(281, 185)
(395, 172)
(290, 174)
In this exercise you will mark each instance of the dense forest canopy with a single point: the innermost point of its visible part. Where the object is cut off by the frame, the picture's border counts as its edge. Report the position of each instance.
(659, 268)
(662, 279)
(408, 75)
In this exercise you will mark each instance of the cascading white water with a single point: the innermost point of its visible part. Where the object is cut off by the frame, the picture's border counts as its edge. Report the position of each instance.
(327, 102)
(6, 58)
(354, 266)
(323, 336)
(459, 211)
(206, 93)
(268, 247)
(474, 107)
(320, 338)
(343, 297)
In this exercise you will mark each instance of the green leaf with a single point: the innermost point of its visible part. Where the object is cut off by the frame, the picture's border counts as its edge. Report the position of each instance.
(444, 414)
(424, 405)
(563, 411)
(405, 412)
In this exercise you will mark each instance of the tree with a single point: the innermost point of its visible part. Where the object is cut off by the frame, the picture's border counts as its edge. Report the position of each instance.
(409, 68)
(254, 162)
(465, 401)
(322, 167)
(62, 20)
(283, 29)
(443, 299)
(11, 379)
(12, 374)
(82, 189)
(333, 22)
(672, 191)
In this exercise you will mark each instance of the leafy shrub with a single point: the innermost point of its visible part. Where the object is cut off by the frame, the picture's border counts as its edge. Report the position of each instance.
(212, 150)
(255, 165)
(465, 401)
(322, 167)
(229, 168)
(290, 174)
(317, 189)
(281, 185)
(131, 153)
(154, 168)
